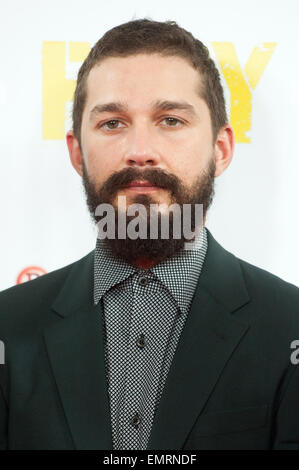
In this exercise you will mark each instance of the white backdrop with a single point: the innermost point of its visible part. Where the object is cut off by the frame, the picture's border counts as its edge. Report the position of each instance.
(45, 222)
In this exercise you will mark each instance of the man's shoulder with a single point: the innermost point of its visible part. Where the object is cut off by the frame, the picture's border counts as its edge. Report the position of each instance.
(266, 282)
(267, 298)
(257, 279)
(274, 302)
(28, 297)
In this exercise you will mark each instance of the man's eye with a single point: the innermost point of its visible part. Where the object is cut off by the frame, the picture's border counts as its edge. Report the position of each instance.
(113, 123)
(172, 121)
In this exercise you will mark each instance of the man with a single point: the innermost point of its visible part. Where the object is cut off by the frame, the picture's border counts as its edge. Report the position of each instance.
(144, 344)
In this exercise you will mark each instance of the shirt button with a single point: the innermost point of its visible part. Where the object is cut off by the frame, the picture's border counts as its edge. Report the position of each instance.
(135, 420)
(142, 281)
(140, 341)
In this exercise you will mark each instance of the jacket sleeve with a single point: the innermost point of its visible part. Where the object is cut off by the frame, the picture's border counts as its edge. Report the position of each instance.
(287, 417)
(3, 421)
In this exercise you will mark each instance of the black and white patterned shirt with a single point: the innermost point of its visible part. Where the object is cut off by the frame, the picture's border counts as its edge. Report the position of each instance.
(144, 312)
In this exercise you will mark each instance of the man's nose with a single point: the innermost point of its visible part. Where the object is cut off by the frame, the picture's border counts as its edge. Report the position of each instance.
(142, 147)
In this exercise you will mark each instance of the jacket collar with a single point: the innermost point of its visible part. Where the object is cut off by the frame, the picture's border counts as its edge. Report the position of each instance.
(75, 343)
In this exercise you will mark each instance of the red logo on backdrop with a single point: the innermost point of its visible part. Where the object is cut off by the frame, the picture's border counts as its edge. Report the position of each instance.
(30, 273)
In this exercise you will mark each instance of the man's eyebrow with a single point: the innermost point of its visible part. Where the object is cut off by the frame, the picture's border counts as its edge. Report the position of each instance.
(158, 105)
(112, 107)
(166, 105)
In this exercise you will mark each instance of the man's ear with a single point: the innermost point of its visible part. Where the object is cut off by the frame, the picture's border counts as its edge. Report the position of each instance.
(75, 152)
(224, 149)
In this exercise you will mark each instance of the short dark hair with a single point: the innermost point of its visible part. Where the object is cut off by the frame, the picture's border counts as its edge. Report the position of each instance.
(149, 36)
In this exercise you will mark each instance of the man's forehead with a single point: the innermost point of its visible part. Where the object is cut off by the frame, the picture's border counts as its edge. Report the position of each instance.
(112, 92)
(143, 58)
(147, 69)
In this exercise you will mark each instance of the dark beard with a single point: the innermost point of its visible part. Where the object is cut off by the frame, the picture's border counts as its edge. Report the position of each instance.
(159, 249)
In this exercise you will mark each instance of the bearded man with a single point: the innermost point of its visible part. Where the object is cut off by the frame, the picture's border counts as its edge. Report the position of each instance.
(150, 342)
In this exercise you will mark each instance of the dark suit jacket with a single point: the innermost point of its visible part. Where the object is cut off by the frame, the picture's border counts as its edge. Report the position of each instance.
(231, 384)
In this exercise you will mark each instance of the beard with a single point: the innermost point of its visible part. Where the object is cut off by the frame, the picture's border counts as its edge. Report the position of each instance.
(151, 249)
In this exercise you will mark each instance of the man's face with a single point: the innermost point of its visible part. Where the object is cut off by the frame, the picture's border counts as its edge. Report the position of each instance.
(144, 117)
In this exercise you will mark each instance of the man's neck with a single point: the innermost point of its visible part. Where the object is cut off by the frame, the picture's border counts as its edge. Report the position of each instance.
(144, 263)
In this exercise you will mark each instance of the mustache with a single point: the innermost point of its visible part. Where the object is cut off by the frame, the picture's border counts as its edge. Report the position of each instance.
(156, 176)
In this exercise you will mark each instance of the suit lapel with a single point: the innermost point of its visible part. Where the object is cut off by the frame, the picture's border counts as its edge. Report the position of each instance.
(75, 345)
(210, 336)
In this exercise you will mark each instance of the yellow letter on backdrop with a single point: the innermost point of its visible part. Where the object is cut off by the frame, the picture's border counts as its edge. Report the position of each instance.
(57, 89)
(240, 93)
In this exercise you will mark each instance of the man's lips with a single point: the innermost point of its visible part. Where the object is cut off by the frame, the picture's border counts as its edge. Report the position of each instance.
(141, 186)
(140, 183)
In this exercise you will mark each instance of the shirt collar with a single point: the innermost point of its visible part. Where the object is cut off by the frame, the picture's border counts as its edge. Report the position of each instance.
(179, 274)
